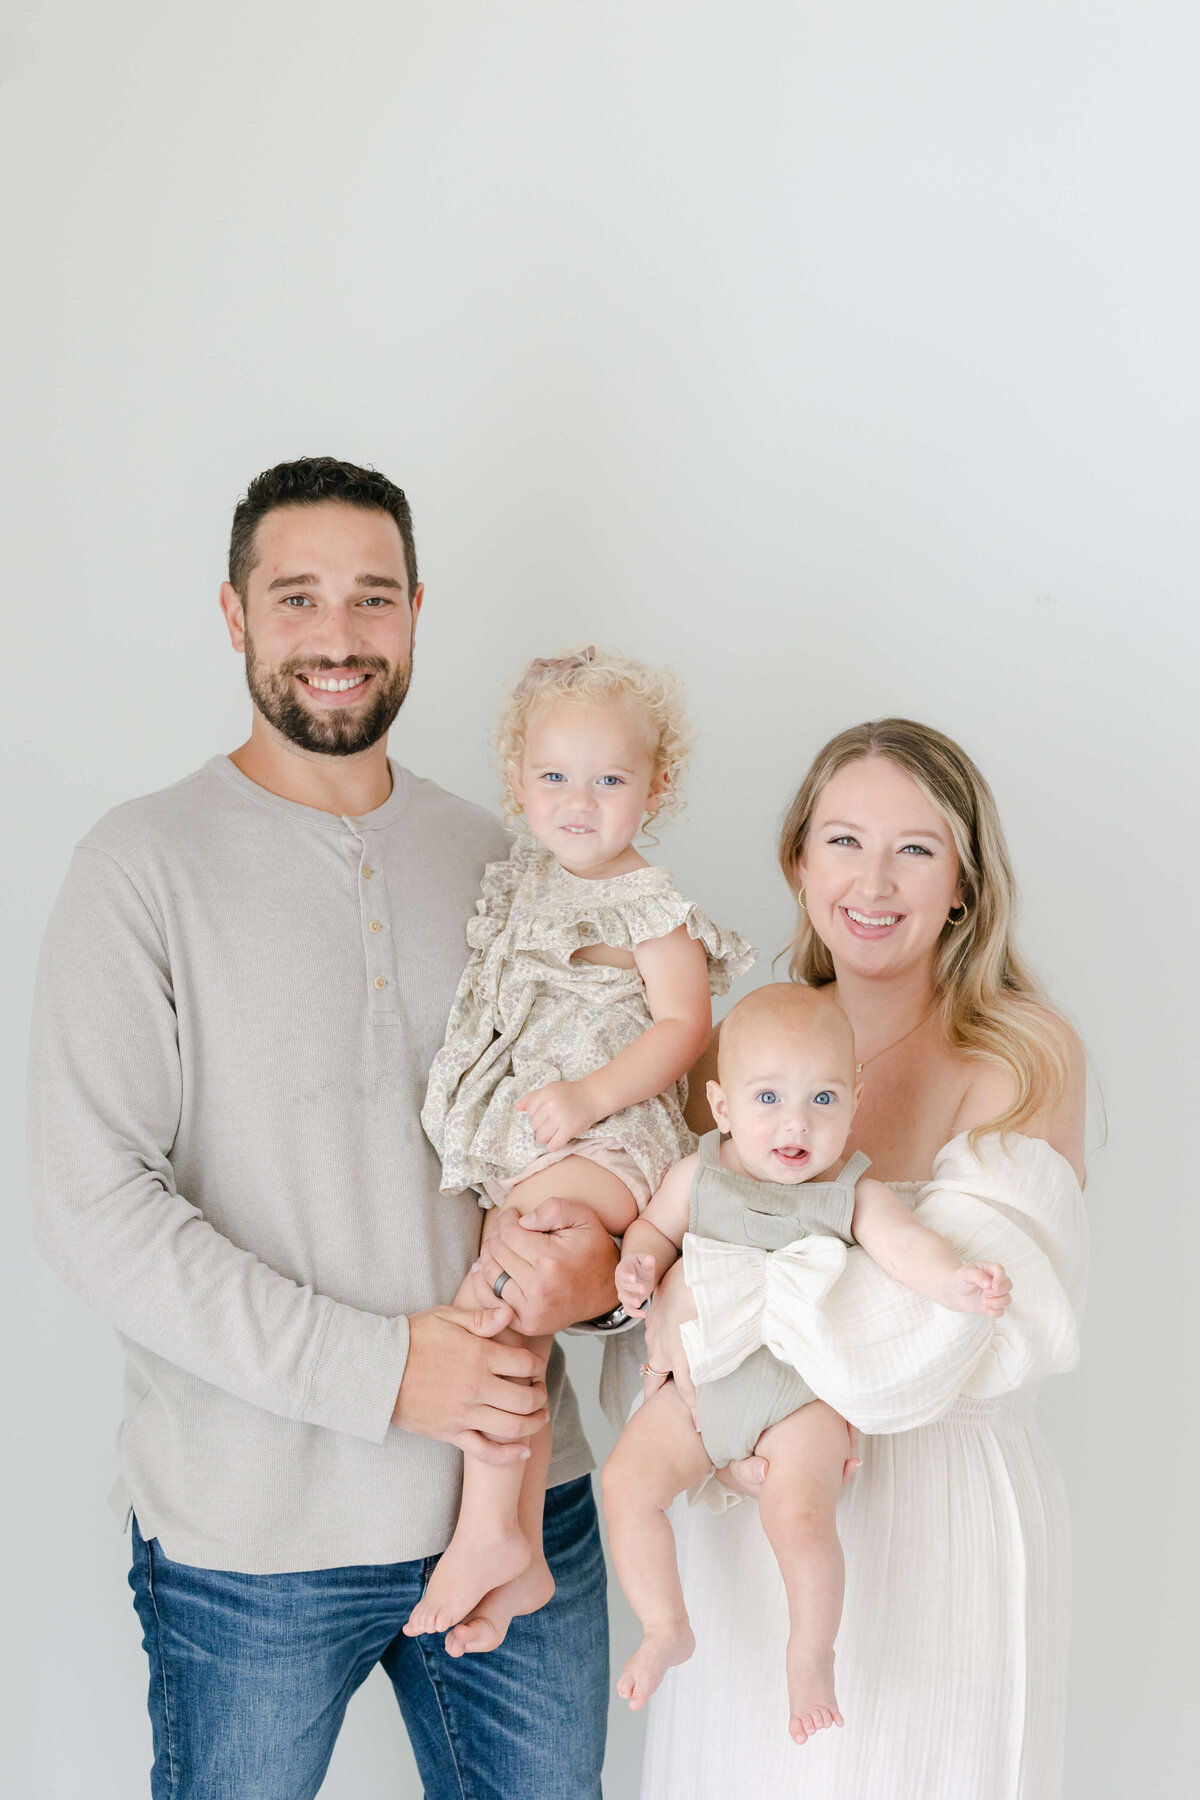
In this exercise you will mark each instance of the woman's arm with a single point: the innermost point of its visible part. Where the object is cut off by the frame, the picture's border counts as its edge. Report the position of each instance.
(991, 1090)
(675, 972)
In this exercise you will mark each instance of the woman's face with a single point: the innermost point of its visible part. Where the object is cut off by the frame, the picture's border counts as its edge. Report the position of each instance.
(879, 870)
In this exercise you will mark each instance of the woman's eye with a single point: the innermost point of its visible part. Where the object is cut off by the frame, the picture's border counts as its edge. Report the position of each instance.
(844, 840)
(917, 849)
(768, 1097)
(824, 1098)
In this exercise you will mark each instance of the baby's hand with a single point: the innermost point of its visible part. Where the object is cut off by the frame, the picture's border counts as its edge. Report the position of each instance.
(980, 1288)
(559, 1113)
(635, 1281)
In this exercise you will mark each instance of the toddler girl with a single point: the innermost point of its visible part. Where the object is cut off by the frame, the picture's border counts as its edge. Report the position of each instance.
(763, 1243)
(585, 1000)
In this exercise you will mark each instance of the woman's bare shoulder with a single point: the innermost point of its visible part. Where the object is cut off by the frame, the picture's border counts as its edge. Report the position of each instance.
(991, 1090)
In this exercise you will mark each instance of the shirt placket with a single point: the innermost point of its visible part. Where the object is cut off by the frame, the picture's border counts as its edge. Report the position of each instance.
(375, 917)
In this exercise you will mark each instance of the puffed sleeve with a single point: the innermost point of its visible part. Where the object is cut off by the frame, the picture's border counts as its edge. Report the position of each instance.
(889, 1360)
(653, 908)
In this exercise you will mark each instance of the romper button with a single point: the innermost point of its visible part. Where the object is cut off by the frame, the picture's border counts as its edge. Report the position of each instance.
(367, 871)
(380, 981)
(374, 925)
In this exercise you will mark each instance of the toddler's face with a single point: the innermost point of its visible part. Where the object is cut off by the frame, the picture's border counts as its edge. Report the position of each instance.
(586, 782)
(786, 1098)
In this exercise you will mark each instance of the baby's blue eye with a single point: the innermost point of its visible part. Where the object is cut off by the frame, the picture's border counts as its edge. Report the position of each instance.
(768, 1097)
(824, 1098)
(611, 781)
(553, 775)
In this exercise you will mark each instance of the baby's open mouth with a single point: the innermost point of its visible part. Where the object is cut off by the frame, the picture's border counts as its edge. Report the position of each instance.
(795, 1154)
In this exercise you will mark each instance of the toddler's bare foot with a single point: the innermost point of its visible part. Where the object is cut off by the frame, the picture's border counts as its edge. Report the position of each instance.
(488, 1623)
(811, 1699)
(470, 1568)
(657, 1652)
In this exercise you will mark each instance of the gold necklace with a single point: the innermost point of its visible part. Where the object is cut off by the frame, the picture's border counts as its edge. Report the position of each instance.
(859, 1067)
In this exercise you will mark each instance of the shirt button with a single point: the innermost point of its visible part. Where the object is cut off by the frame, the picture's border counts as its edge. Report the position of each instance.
(367, 871)
(381, 981)
(374, 925)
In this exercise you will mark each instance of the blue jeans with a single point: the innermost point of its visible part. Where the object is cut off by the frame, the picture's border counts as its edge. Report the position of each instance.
(250, 1675)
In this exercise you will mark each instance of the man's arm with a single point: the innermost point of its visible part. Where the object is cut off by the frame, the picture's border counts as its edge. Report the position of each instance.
(105, 1101)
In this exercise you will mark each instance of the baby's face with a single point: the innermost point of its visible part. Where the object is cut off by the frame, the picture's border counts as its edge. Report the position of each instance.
(786, 1098)
(586, 782)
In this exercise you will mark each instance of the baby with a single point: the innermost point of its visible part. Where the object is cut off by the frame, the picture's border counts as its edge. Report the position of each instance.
(763, 1240)
(586, 998)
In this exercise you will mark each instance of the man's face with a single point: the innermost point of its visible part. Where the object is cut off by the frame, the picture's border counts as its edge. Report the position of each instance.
(326, 625)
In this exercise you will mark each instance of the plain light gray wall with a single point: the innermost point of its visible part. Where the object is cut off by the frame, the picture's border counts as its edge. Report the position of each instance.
(842, 354)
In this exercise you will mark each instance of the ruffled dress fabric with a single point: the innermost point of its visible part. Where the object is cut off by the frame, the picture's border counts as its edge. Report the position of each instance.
(952, 1652)
(526, 1014)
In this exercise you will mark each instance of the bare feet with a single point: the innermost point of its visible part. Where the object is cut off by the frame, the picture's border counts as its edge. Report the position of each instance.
(489, 1621)
(657, 1652)
(469, 1569)
(811, 1699)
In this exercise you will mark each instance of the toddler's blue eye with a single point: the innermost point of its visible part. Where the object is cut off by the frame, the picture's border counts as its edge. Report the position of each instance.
(553, 775)
(768, 1097)
(611, 781)
(824, 1098)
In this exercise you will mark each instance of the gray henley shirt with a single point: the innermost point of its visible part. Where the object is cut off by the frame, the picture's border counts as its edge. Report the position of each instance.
(238, 1001)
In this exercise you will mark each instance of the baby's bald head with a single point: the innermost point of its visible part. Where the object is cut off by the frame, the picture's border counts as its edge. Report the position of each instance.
(788, 1016)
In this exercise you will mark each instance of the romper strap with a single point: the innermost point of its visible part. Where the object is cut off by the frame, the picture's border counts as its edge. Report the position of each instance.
(858, 1165)
(709, 1149)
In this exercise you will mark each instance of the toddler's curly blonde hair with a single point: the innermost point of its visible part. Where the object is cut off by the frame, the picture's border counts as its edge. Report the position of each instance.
(593, 676)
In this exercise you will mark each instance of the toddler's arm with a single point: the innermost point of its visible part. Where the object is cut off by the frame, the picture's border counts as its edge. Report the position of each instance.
(652, 1242)
(921, 1259)
(675, 972)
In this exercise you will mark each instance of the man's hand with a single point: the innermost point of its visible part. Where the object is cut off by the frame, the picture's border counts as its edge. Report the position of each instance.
(461, 1387)
(559, 1260)
(559, 1113)
(665, 1355)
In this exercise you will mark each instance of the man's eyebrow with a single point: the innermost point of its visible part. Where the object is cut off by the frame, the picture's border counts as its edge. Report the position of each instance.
(310, 580)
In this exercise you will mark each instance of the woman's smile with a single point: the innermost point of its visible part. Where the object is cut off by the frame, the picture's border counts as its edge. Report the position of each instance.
(863, 924)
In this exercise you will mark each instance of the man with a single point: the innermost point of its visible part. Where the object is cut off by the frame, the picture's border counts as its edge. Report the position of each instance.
(243, 984)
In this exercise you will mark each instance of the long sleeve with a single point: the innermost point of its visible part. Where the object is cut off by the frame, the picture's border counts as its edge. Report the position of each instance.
(889, 1360)
(108, 1093)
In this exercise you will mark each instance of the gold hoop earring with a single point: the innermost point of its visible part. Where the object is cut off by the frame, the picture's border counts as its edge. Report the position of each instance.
(800, 898)
(950, 918)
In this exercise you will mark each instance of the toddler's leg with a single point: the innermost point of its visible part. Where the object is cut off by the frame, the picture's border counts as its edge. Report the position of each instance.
(657, 1456)
(498, 1538)
(798, 1505)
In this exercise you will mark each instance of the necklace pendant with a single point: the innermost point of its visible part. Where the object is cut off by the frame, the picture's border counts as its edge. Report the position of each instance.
(858, 1068)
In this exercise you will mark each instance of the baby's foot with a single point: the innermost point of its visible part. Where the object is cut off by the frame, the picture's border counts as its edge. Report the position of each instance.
(657, 1652)
(470, 1568)
(811, 1699)
(490, 1620)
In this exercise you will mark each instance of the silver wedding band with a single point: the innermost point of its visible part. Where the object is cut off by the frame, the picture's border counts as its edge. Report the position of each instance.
(498, 1284)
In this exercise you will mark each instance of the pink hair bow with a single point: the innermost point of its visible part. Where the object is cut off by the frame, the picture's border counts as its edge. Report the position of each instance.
(560, 664)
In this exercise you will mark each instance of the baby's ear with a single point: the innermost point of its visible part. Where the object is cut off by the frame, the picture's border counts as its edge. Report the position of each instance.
(717, 1106)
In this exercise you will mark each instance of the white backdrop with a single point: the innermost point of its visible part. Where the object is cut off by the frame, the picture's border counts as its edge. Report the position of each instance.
(842, 354)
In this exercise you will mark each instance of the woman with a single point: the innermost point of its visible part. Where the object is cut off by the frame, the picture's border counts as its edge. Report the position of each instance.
(952, 1651)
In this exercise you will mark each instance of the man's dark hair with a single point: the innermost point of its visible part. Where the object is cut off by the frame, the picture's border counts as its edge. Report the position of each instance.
(305, 482)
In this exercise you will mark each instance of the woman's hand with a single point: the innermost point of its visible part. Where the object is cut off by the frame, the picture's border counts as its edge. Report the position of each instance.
(665, 1355)
(559, 1113)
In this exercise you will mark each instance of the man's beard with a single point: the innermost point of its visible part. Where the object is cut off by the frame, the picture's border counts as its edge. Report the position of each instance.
(337, 731)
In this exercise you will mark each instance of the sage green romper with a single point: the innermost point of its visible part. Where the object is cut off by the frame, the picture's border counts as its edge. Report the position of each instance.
(736, 1209)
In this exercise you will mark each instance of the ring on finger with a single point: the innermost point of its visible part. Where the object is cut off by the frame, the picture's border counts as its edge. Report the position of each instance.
(647, 1370)
(498, 1284)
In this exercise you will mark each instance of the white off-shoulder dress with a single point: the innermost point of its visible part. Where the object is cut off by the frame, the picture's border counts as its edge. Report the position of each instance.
(951, 1659)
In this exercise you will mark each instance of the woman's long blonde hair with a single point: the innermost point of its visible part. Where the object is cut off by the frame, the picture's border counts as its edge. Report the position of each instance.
(991, 1006)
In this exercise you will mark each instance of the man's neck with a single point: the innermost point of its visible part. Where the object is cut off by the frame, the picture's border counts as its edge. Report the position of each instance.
(347, 786)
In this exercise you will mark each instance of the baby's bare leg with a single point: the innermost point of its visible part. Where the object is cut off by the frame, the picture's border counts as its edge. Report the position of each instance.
(657, 1456)
(798, 1503)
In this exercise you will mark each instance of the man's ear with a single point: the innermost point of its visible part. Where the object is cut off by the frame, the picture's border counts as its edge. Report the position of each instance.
(415, 604)
(235, 616)
(718, 1107)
